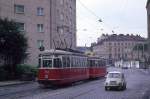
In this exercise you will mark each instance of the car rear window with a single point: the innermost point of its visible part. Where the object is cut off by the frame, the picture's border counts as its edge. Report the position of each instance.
(114, 75)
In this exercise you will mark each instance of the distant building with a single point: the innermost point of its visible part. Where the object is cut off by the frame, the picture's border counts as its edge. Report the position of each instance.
(119, 47)
(46, 23)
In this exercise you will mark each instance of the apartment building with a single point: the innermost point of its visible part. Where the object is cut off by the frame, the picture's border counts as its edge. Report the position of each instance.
(148, 22)
(46, 23)
(119, 47)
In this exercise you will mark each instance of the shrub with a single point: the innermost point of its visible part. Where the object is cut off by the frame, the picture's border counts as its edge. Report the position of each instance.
(26, 72)
(4, 75)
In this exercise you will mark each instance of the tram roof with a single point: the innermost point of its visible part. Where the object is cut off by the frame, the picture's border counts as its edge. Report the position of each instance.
(94, 57)
(60, 52)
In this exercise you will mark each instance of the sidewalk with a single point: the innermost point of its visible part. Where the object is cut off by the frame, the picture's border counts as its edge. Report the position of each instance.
(15, 82)
(146, 71)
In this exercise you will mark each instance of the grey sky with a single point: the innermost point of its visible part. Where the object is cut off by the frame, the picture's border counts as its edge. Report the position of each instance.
(122, 16)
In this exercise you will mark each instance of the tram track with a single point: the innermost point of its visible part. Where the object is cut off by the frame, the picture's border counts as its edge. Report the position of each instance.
(21, 92)
(36, 90)
(69, 91)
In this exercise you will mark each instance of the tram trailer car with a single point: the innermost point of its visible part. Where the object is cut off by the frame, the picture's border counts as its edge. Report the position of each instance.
(97, 67)
(58, 67)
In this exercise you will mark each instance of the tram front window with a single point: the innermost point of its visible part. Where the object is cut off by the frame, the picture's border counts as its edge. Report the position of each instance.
(47, 63)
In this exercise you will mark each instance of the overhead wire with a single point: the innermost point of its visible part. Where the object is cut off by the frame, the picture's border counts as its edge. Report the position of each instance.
(93, 13)
(98, 18)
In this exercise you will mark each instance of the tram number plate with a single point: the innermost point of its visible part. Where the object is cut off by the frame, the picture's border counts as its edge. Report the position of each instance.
(46, 76)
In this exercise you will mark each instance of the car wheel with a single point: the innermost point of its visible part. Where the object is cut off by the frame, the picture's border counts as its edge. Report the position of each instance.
(125, 87)
(106, 88)
(120, 87)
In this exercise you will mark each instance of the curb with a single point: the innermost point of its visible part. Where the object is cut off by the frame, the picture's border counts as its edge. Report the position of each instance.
(147, 71)
(17, 83)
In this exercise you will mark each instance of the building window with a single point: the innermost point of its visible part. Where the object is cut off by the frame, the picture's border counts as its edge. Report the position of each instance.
(61, 31)
(70, 9)
(61, 2)
(70, 22)
(119, 56)
(40, 27)
(109, 43)
(61, 16)
(129, 44)
(21, 26)
(118, 49)
(19, 9)
(40, 43)
(40, 11)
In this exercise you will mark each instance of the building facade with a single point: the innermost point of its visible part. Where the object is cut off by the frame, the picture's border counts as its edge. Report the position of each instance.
(148, 23)
(119, 47)
(46, 23)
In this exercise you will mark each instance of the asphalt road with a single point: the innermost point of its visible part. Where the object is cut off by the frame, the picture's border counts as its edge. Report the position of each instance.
(138, 87)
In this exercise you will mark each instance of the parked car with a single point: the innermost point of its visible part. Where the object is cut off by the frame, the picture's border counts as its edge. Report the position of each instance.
(115, 79)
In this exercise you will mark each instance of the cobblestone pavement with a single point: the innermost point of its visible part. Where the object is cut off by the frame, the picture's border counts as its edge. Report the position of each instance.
(138, 84)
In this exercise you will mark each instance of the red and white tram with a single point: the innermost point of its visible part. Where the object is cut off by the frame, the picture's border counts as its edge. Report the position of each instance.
(58, 67)
(97, 67)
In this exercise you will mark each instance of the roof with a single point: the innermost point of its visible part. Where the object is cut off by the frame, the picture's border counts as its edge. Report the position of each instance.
(120, 37)
(115, 72)
(94, 57)
(53, 51)
(60, 52)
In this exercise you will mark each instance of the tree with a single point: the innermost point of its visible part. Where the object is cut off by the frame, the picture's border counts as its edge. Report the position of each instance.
(141, 48)
(13, 44)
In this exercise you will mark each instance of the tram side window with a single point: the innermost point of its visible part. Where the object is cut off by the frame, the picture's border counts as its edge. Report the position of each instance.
(89, 63)
(76, 64)
(74, 61)
(84, 64)
(92, 63)
(66, 62)
(47, 63)
(99, 63)
(57, 63)
(71, 60)
(96, 63)
(39, 65)
(78, 61)
(103, 63)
